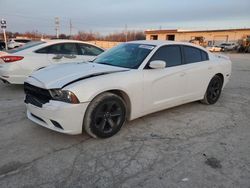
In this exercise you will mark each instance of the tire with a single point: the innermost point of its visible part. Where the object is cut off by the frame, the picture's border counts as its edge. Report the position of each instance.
(213, 90)
(105, 115)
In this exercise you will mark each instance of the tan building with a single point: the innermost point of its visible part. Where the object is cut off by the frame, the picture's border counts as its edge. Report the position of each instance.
(208, 37)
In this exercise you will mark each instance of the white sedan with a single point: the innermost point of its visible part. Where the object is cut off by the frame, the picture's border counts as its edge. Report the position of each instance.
(17, 64)
(15, 43)
(126, 82)
(214, 48)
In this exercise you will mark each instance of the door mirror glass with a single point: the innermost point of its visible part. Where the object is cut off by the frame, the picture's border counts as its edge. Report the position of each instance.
(157, 64)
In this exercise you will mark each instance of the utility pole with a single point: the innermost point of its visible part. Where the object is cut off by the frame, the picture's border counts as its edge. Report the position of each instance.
(57, 26)
(3, 27)
(70, 28)
(126, 32)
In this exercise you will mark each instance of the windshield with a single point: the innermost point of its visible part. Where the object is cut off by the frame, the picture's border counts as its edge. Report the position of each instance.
(127, 55)
(26, 46)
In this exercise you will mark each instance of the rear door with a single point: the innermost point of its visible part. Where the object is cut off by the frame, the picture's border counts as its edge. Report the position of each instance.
(199, 71)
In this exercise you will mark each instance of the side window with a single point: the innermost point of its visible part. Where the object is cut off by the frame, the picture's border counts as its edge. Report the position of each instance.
(44, 50)
(55, 49)
(87, 49)
(170, 54)
(192, 54)
(62, 48)
(68, 48)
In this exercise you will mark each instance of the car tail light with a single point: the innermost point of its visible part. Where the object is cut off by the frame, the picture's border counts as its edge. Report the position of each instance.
(10, 59)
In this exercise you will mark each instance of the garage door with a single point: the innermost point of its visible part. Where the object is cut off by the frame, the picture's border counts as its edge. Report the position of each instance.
(218, 39)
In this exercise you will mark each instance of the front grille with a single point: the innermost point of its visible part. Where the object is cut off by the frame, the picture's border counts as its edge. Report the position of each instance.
(35, 95)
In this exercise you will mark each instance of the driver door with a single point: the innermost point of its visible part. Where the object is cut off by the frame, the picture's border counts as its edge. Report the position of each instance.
(165, 87)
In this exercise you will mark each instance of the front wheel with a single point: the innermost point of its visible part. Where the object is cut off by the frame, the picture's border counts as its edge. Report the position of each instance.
(105, 115)
(213, 91)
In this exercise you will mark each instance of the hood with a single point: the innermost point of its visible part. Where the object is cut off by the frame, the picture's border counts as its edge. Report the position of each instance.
(58, 76)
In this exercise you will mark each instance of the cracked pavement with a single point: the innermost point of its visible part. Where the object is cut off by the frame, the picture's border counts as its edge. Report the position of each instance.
(165, 149)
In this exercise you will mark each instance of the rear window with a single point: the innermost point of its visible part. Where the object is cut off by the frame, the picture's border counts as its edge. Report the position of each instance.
(26, 46)
(204, 56)
(87, 49)
(226, 44)
(193, 55)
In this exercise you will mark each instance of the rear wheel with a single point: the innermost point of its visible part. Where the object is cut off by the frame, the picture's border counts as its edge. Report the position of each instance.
(213, 91)
(105, 115)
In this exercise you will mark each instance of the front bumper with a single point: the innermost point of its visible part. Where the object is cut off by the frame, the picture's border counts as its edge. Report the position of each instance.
(68, 116)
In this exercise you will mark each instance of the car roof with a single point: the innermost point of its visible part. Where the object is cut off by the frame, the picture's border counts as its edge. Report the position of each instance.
(18, 39)
(165, 42)
(54, 41)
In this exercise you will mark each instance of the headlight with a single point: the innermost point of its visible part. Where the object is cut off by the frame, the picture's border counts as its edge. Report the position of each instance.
(64, 96)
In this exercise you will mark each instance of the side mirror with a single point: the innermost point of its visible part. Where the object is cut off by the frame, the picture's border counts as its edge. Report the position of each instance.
(157, 64)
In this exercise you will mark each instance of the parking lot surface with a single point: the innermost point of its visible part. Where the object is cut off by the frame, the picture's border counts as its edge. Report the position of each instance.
(193, 145)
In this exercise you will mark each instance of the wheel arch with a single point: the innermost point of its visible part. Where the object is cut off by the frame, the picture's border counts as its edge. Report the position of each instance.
(121, 94)
(221, 76)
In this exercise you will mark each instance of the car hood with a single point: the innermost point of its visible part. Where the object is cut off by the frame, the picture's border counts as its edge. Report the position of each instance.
(59, 76)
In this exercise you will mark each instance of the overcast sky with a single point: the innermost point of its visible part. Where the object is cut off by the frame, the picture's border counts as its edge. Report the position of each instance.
(106, 16)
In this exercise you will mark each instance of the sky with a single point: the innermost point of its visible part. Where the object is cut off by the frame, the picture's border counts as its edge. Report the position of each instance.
(108, 16)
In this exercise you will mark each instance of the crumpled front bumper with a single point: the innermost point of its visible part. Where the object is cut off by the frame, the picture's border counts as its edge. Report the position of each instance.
(58, 116)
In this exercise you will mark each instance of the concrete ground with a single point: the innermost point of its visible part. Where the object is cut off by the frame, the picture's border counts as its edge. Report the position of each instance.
(193, 145)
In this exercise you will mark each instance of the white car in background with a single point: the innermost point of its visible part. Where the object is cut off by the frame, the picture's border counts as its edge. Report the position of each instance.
(20, 62)
(126, 82)
(228, 46)
(15, 43)
(214, 48)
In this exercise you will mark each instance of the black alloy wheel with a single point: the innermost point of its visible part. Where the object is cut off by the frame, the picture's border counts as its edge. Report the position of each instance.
(105, 115)
(214, 90)
(108, 116)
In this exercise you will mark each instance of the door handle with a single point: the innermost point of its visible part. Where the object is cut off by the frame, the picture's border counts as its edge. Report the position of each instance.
(70, 56)
(57, 57)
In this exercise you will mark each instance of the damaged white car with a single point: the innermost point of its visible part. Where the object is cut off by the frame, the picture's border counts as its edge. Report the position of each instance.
(126, 82)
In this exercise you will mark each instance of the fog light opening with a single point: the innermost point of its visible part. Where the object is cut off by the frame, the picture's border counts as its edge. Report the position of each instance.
(56, 124)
